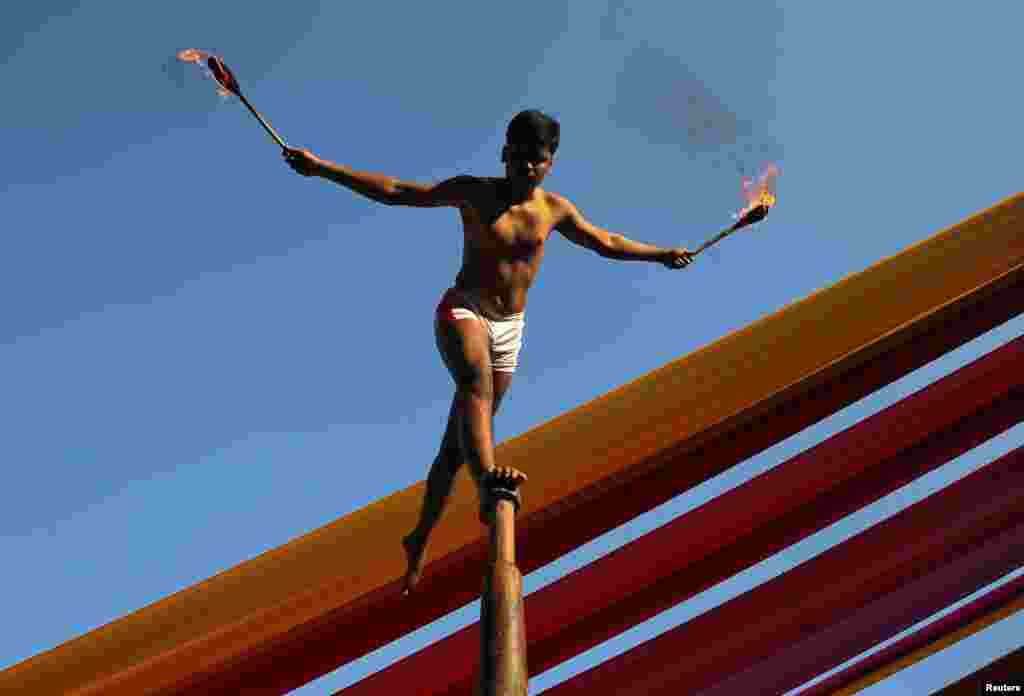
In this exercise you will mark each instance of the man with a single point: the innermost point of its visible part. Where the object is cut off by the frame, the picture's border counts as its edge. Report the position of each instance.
(479, 321)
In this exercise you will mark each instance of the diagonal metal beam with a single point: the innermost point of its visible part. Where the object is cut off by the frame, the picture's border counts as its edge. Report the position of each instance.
(825, 611)
(1002, 602)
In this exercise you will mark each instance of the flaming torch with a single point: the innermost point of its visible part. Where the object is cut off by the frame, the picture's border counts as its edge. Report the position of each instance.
(228, 84)
(760, 197)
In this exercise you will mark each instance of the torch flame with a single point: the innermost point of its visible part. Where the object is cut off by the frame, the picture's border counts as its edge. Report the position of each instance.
(190, 55)
(760, 194)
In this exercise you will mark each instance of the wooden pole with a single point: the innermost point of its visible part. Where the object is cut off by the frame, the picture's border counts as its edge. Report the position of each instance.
(503, 669)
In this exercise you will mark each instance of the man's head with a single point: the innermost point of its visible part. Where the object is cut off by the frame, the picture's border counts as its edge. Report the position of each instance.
(531, 141)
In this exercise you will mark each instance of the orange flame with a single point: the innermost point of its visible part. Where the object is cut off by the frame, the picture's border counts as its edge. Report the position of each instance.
(191, 55)
(201, 58)
(761, 193)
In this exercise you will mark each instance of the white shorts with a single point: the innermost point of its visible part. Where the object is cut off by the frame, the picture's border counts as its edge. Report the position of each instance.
(506, 335)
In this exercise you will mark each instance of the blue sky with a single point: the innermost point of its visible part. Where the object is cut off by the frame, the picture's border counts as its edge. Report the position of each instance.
(194, 335)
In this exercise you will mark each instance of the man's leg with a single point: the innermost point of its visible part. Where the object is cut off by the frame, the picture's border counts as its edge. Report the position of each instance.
(447, 464)
(459, 353)
(439, 487)
(465, 348)
(502, 381)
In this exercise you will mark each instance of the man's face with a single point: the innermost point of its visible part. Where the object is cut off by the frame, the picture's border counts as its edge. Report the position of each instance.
(529, 163)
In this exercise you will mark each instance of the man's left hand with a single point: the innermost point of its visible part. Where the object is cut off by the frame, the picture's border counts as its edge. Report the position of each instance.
(677, 258)
(301, 160)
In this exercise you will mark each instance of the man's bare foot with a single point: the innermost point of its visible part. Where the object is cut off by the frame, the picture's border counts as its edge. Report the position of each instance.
(414, 547)
(503, 477)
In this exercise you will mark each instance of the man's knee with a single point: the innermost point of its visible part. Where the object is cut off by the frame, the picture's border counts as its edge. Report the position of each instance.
(475, 404)
(449, 457)
(476, 383)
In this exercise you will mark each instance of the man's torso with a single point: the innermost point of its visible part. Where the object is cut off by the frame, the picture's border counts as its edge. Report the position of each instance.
(503, 247)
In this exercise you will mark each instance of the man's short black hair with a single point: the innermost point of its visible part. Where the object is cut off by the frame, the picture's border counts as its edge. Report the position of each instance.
(532, 127)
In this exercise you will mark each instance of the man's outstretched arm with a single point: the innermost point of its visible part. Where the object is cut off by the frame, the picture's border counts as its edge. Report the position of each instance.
(574, 227)
(378, 187)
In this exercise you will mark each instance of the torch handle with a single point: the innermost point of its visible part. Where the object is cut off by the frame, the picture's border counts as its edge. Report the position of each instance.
(716, 239)
(751, 216)
(273, 133)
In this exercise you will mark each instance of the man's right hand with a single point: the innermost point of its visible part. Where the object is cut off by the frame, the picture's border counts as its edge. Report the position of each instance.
(677, 258)
(302, 161)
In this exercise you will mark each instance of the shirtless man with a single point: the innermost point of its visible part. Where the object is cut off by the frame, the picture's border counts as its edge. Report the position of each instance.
(479, 321)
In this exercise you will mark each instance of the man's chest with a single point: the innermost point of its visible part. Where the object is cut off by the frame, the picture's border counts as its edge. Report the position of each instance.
(501, 228)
